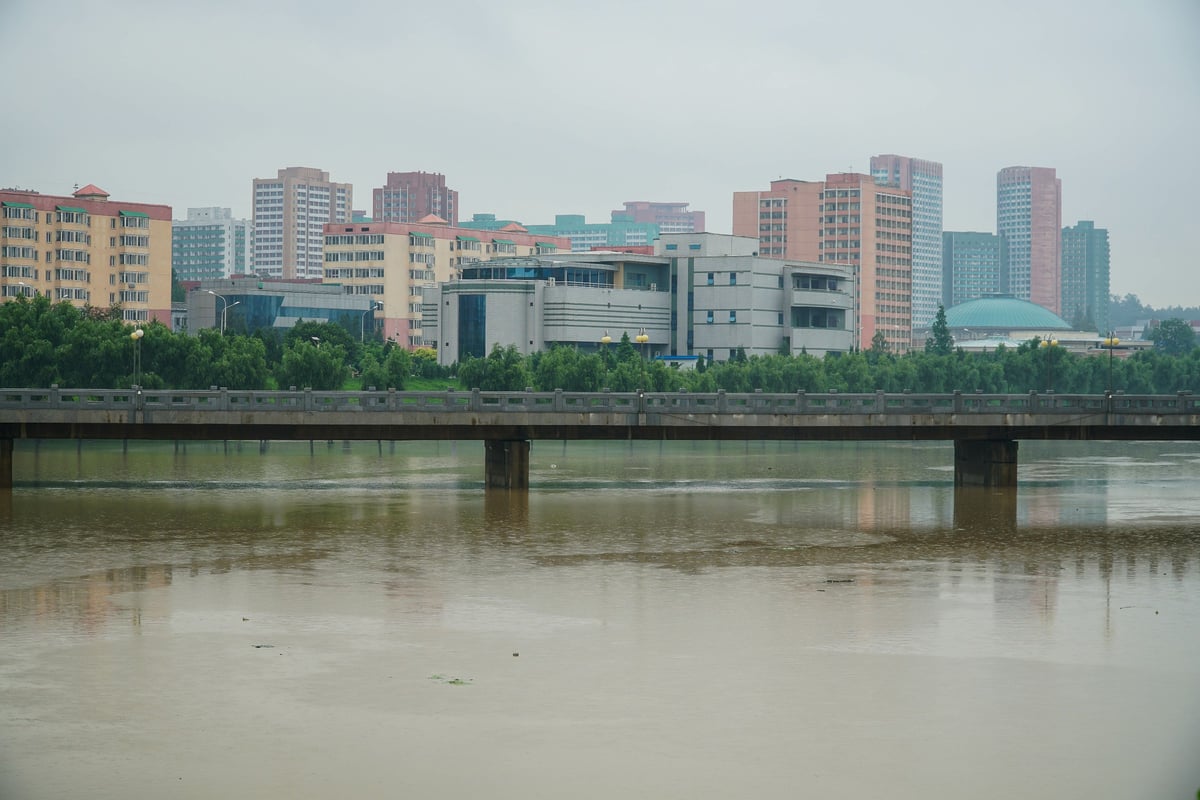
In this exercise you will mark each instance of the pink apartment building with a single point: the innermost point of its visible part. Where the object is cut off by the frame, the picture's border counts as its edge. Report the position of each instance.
(670, 217)
(409, 196)
(1029, 217)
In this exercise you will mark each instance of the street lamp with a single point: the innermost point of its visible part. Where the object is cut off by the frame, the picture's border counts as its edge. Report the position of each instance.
(316, 340)
(224, 308)
(606, 339)
(1048, 343)
(362, 323)
(137, 356)
(223, 314)
(642, 338)
(1110, 341)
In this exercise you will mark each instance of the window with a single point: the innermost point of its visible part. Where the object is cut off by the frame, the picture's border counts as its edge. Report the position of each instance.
(711, 278)
(693, 247)
(672, 247)
(709, 317)
(733, 279)
(732, 316)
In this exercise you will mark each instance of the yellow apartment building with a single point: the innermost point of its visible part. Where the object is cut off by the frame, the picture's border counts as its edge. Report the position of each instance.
(87, 250)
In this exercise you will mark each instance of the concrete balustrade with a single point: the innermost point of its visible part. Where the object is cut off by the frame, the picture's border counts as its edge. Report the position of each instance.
(985, 427)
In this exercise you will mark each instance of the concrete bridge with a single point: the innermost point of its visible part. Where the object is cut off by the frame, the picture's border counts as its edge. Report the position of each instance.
(985, 428)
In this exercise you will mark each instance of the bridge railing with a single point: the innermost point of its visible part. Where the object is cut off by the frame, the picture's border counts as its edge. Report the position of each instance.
(670, 403)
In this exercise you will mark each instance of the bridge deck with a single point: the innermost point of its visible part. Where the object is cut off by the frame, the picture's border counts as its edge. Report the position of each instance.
(498, 416)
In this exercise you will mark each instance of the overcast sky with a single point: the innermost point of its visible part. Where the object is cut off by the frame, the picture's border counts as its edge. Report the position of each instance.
(538, 107)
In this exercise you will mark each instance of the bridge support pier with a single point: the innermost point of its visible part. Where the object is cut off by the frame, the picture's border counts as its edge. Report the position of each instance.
(985, 462)
(6, 451)
(506, 464)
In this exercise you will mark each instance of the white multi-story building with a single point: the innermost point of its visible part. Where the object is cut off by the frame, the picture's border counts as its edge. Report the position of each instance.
(211, 244)
(291, 211)
(924, 180)
(698, 295)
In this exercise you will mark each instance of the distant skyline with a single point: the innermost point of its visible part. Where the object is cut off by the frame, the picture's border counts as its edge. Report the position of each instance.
(533, 108)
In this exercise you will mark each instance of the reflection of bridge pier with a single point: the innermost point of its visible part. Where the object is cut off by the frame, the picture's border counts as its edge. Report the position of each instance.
(980, 508)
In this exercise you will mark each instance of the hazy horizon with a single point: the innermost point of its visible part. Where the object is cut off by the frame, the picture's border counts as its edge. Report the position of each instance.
(533, 108)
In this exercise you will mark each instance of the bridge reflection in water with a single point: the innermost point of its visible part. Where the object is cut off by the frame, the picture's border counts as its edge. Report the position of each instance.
(985, 428)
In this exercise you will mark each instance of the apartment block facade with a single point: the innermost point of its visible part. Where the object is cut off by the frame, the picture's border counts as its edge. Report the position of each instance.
(845, 219)
(870, 227)
(210, 244)
(1029, 217)
(785, 219)
(669, 217)
(409, 196)
(924, 180)
(291, 211)
(88, 250)
(1085, 275)
(391, 262)
(974, 265)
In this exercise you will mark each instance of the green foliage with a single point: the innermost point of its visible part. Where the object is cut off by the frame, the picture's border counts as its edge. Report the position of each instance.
(1173, 336)
(326, 333)
(306, 365)
(503, 369)
(388, 371)
(43, 343)
(940, 342)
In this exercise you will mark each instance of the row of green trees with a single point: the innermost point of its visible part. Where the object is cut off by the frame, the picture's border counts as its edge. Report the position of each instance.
(1030, 367)
(43, 344)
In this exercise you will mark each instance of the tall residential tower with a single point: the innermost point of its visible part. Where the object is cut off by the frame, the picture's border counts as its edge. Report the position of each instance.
(924, 179)
(1029, 217)
(1085, 276)
(211, 244)
(291, 211)
(411, 196)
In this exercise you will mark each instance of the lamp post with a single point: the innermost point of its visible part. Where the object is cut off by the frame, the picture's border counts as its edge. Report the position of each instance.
(606, 340)
(642, 338)
(223, 314)
(1110, 342)
(1049, 344)
(316, 340)
(137, 356)
(362, 323)
(224, 308)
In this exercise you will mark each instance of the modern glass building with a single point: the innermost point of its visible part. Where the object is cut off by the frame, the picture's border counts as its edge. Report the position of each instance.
(211, 244)
(249, 304)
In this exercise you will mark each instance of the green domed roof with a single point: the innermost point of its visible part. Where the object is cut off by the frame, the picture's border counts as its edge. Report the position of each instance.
(1004, 313)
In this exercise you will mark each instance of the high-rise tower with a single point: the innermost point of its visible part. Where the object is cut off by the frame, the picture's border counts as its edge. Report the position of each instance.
(1085, 276)
(410, 196)
(924, 179)
(1029, 217)
(290, 214)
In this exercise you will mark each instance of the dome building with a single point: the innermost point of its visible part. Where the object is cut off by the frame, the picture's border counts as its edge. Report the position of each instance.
(987, 322)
